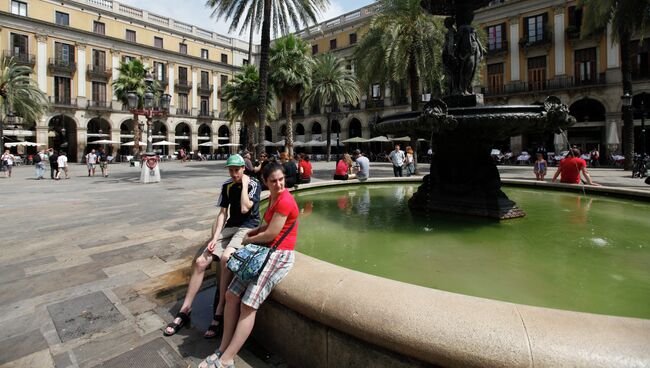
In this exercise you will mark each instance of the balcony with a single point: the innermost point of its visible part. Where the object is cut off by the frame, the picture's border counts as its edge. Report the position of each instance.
(299, 113)
(543, 40)
(98, 72)
(400, 100)
(205, 114)
(163, 83)
(182, 111)
(205, 89)
(182, 84)
(63, 101)
(572, 32)
(60, 66)
(371, 104)
(558, 83)
(223, 114)
(497, 49)
(98, 105)
(21, 58)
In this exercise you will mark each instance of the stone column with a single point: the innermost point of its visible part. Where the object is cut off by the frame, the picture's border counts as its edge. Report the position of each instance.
(41, 62)
(516, 144)
(194, 137)
(195, 102)
(41, 132)
(170, 77)
(116, 136)
(612, 49)
(81, 75)
(82, 142)
(215, 93)
(558, 36)
(513, 45)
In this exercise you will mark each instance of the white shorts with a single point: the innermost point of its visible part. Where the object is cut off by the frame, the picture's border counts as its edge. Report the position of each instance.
(230, 237)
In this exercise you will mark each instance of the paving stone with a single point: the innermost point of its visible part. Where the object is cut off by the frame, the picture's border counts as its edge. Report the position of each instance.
(63, 361)
(148, 322)
(40, 359)
(97, 242)
(102, 347)
(160, 248)
(16, 271)
(19, 346)
(83, 315)
(154, 354)
(17, 326)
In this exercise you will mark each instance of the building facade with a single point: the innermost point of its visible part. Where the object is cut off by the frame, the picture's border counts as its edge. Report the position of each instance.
(75, 48)
(535, 49)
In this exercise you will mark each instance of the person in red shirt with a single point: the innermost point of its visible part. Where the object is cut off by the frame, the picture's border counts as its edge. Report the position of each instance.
(304, 169)
(570, 168)
(343, 168)
(245, 297)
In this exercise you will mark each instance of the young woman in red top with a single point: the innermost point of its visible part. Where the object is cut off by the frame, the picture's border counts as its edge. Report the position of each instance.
(244, 298)
(304, 169)
(343, 168)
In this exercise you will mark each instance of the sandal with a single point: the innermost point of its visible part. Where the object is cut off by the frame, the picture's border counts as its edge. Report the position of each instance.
(213, 330)
(216, 363)
(185, 319)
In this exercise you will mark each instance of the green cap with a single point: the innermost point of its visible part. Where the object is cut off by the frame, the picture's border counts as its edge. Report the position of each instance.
(235, 160)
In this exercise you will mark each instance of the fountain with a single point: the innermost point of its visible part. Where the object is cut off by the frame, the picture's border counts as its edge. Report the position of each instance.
(463, 177)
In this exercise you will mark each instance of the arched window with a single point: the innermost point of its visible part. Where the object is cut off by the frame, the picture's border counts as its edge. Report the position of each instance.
(587, 109)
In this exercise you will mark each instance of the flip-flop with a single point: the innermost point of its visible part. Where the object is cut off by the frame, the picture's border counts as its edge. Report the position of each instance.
(185, 319)
(214, 329)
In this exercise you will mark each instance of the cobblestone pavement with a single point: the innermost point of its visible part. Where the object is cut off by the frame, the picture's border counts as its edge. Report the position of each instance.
(91, 269)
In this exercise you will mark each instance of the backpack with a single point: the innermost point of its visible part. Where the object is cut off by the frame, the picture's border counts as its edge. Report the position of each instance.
(37, 158)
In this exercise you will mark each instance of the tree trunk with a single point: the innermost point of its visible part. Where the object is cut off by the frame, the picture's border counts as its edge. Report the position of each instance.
(250, 39)
(250, 136)
(628, 119)
(414, 86)
(289, 138)
(264, 72)
(328, 150)
(137, 136)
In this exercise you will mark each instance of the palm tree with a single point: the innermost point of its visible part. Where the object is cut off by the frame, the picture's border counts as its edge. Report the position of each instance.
(403, 43)
(19, 93)
(241, 93)
(286, 13)
(290, 76)
(133, 78)
(628, 17)
(331, 85)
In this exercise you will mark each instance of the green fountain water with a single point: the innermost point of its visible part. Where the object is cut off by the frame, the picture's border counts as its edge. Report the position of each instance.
(573, 252)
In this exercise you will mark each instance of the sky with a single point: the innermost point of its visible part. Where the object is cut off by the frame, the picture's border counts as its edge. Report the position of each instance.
(195, 13)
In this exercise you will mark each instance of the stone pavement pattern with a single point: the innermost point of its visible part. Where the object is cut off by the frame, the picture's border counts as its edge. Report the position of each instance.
(91, 269)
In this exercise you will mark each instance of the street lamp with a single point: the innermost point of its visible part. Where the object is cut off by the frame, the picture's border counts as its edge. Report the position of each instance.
(643, 148)
(328, 111)
(628, 123)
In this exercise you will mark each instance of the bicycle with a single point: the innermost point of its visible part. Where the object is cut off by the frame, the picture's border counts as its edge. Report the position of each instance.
(640, 165)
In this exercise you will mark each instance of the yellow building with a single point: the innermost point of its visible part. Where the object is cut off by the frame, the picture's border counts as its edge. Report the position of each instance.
(534, 50)
(75, 48)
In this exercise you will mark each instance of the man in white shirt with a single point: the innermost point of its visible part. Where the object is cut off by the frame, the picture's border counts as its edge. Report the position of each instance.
(397, 158)
(62, 163)
(91, 161)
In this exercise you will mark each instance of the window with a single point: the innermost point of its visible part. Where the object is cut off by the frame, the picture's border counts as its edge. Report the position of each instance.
(640, 59)
(130, 35)
(182, 103)
(99, 60)
(158, 42)
(205, 78)
(353, 38)
(224, 81)
(585, 66)
(64, 53)
(182, 74)
(495, 78)
(314, 49)
(19, 46)
(62, 90)
(205, 106)
(99, 92)
(204, 54)
(495, 37)
(62, 19)
(127, 59)
(535, 28)
(575, 17)
(224, 58)
(333, 44)
(99, 28)
(19, 8)
(376, 91)
(159, 71)
(182, 48)
(537, 73)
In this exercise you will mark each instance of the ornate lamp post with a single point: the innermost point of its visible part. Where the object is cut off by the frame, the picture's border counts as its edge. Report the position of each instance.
(150, 170)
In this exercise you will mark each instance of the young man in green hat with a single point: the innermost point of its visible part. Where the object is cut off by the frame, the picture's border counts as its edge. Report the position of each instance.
(238, 214)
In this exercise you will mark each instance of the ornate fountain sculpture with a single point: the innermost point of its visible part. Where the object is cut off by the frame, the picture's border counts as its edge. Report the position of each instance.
(464, 178)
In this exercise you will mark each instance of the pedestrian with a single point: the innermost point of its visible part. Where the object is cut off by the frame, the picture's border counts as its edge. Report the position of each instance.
(594, 157)
(397, 158)
(8, 161)
(539, 168)
(54, 167)
(364, 165)
(570, 168)
(39, 164)
(409, 162)
(103, 162)
(304, 169)
(91, 161)
(62, 164)
(238, 214)
(244, 298)
(344, 168)
(290, 170)
(249, 169)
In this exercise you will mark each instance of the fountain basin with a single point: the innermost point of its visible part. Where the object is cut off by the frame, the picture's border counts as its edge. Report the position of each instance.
(349, 318)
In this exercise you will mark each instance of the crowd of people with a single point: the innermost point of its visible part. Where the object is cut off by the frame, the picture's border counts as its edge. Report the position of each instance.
(58, 162)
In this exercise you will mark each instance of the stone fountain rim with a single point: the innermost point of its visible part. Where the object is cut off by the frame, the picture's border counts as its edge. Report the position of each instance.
(451, 329)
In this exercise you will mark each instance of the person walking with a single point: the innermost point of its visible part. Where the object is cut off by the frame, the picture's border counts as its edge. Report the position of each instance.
(239, 203)
(409, 161)
(54, 167)
(397, 158)
(244, 298)
(8, 161)
(364, 165)
(91, 161)
(62, 164)
(39, 164)
(103, 162)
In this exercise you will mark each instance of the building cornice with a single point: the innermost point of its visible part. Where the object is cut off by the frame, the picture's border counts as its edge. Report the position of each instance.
(46, 29)
(506, 10)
